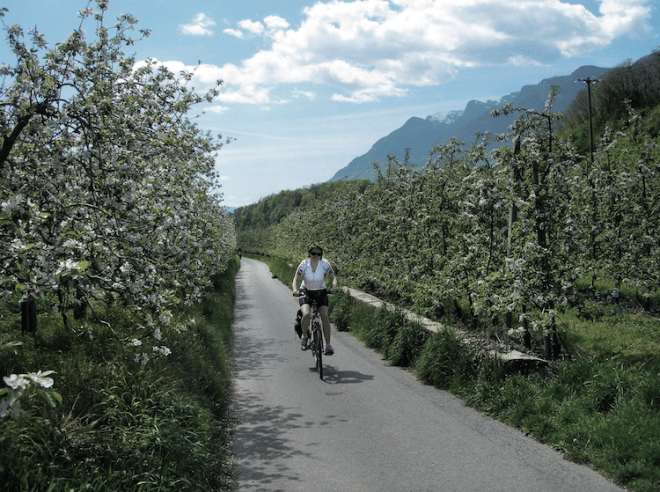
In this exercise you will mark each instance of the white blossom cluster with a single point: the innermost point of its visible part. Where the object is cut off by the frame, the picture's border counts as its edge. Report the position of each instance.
(108, 192)
(18, 385)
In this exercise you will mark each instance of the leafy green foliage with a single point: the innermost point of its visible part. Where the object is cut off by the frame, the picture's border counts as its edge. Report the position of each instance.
(341, 311)
(120, 425)
(272, 209)
(629, 84)
(495, 239)
(407, 345)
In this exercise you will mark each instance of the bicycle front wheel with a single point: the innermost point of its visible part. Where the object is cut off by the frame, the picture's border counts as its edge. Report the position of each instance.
(318, 350)
(319, 360)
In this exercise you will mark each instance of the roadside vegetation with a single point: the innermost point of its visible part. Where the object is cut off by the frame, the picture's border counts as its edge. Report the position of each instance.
(534, 246)
(117, 271)
(601, 409)
(120, 425)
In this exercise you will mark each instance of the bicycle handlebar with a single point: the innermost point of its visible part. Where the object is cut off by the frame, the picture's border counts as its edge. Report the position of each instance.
(301, 293)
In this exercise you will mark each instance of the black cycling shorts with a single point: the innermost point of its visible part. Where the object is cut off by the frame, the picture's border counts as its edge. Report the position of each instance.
(321, 297)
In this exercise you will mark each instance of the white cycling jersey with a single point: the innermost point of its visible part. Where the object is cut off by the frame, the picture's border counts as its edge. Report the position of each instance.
(314, 280)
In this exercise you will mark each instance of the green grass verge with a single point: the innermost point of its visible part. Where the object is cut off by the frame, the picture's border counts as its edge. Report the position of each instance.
(121, 426)
(279, 268)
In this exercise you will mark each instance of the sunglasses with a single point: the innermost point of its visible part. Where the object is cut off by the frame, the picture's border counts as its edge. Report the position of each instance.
(315, 253)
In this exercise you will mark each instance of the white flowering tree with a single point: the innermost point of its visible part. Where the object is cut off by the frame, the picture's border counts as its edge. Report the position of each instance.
(496, 236)
(624, 184)
(108, 191)
(539, 270)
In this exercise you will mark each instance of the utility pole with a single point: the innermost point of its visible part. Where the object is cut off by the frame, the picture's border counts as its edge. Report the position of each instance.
(589, 81)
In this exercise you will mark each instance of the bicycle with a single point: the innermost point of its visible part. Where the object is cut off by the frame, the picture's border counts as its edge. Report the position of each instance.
(315, 344)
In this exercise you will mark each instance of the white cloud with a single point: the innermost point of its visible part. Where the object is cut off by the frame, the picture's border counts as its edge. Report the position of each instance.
(311, 95)
(251, 26)
(216, 109)
(271, 25)
(199, 26)
(626, 17)
(234, 32)
(371, 49)
(245, 94)
(274, 22)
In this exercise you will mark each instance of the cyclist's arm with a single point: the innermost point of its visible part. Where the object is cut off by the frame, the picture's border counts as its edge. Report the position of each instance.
(333, 278)
(297, 280)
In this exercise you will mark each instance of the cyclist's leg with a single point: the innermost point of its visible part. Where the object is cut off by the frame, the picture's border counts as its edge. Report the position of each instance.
(325, 318)
(306, 317)
(304, 323)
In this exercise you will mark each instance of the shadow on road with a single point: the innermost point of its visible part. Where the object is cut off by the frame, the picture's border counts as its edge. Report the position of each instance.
(268, 440)
(332, 375)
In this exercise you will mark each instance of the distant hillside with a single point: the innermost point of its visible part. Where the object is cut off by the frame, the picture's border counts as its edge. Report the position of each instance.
(421, 135)
(272, 209)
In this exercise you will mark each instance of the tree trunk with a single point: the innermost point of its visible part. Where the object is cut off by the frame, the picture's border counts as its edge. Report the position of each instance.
(29, 316)
(79, 310)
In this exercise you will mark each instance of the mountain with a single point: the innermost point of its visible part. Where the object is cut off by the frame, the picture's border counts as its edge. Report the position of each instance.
(422, 135)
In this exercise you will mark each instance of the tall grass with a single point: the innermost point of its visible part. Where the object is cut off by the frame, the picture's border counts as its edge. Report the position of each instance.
(122, 426)
(279, 268)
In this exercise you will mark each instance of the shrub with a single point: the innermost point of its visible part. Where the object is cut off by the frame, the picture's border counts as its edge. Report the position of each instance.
(341, 307)
(444, 361)
(407, 344)
(383, 327)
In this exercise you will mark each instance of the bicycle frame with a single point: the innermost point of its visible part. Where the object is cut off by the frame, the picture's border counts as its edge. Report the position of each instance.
(315, 344)
(316, 327)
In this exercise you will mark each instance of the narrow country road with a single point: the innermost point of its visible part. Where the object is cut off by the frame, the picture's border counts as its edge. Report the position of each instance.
(366, 427)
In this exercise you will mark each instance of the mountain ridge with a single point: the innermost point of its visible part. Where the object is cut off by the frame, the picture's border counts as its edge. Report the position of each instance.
(421, 135)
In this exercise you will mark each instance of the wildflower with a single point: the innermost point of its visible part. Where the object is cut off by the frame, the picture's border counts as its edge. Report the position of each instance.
(516, 332)
(162, 350)
(16, 382)
(141, 359)
(13, 409)
(41, 379)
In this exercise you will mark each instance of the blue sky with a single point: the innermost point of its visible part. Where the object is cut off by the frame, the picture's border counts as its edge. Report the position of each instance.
(309, 85)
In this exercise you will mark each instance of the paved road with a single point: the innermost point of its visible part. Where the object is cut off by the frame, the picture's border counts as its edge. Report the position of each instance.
(368, 426)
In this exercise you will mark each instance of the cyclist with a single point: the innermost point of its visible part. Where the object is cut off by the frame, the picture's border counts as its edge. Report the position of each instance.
(311, 276)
